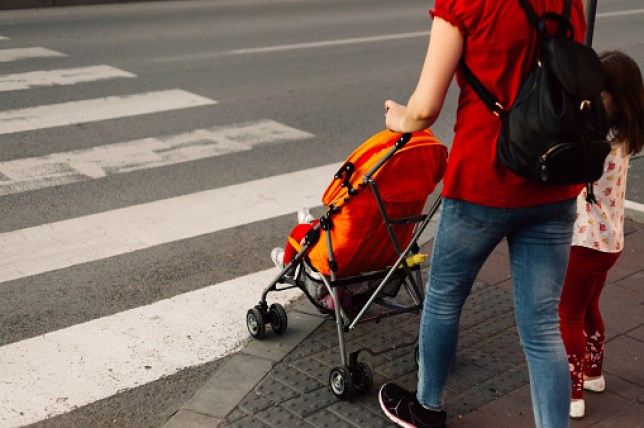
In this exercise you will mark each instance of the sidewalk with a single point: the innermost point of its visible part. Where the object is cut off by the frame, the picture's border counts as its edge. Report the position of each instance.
(283, 381)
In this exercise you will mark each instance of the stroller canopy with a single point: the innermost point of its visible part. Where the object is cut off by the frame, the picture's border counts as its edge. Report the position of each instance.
(359, 237)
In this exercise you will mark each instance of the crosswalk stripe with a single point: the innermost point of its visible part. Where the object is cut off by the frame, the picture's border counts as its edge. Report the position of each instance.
(52, 246)
(54, 373)
(62, 168)
(17, 54)
(75, 112)
(620, 13)
(69, 76)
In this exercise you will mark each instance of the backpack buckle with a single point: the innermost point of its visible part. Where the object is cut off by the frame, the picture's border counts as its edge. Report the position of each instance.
(498, 109)
(584, 105)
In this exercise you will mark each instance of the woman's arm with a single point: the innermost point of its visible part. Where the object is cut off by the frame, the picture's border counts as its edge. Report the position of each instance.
(424, 105)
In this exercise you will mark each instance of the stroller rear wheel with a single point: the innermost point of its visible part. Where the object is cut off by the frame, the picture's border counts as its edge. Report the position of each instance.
(340, 382)
(255, 323)
(279, 321)
(362, 378)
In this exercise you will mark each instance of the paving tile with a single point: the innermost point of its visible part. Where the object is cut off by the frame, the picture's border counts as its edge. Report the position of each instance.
(255, 402)
(465, 375)
(187, 419)
(312, 367)
(311, 402)
(308, 347)
(633, 282)
(637, 334)
(630, 261)
(623, 387)
(278, 416)
(401, 366)
(630, 415)
(501, 413)
(234, 416)
(359, 416)
(627, 356)
(621, 309)
(221, 394)
(247, 422)
(295, 379)
(328, 419)
(600, 406)
(276, 391)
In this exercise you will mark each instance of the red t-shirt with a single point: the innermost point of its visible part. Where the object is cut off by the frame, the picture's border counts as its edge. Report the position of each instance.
(499, 48)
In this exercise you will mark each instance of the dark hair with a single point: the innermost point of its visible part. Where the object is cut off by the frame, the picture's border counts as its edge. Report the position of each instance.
(624, 83)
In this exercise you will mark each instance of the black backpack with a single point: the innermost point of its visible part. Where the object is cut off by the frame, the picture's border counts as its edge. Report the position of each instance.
(555, 132)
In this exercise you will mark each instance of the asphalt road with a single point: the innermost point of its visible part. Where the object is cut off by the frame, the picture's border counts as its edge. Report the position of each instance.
(323, 67)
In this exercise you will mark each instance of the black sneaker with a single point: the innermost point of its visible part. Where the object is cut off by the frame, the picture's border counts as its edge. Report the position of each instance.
(401, 407)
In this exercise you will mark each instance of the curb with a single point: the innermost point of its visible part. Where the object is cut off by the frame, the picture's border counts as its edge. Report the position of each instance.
(237, 378)
(634, 211)
(34, 4)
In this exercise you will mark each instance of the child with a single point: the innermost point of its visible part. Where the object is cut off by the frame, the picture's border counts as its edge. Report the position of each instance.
(599, 230)
(295, 242)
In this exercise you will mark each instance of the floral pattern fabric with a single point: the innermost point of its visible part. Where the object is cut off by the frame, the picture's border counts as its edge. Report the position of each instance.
(600, 226)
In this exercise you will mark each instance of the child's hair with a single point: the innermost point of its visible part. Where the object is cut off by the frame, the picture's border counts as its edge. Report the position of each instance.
(624, 83)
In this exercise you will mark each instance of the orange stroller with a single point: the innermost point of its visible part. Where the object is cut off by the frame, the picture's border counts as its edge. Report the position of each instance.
(368, 235)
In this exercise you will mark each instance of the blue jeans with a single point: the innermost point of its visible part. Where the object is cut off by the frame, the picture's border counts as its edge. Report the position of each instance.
(539, 239)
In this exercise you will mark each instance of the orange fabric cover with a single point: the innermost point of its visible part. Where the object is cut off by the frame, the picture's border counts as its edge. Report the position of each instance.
(360, 239)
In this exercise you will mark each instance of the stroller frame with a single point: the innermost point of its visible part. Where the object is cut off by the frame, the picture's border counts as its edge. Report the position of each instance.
(351, 376)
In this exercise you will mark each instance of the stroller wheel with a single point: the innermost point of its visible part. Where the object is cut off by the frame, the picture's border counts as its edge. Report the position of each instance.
(362, 378)
(255, 323)
(340, 382)
(279, 321)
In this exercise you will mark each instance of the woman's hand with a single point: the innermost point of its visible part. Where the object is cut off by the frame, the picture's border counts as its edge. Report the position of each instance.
(394, 116)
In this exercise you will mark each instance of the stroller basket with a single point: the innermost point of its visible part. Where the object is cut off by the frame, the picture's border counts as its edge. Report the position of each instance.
(368, 240)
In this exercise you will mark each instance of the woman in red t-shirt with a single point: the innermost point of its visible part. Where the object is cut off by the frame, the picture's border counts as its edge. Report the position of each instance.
(483, 203)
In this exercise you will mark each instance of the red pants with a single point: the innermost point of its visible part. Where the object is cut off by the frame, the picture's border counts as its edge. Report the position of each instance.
(581, 323)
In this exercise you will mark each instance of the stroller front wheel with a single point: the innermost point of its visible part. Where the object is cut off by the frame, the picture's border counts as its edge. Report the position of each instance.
(279, 321)
(255, 323)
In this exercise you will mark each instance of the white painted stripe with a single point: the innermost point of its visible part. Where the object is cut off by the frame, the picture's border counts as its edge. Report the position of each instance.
(65, 369)
(71, 242)
(75, 112)
(7, 55)
(331, 43)
(373, 39)
(62, 168)
(3, 38)
(635, 206)
(620, 13)
(69, 76)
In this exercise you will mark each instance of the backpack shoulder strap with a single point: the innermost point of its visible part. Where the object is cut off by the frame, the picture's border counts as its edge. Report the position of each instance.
(529, 11)
(484, 93)
(539, 22)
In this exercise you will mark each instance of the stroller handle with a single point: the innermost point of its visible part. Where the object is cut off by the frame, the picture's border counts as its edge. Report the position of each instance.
(404, 139)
